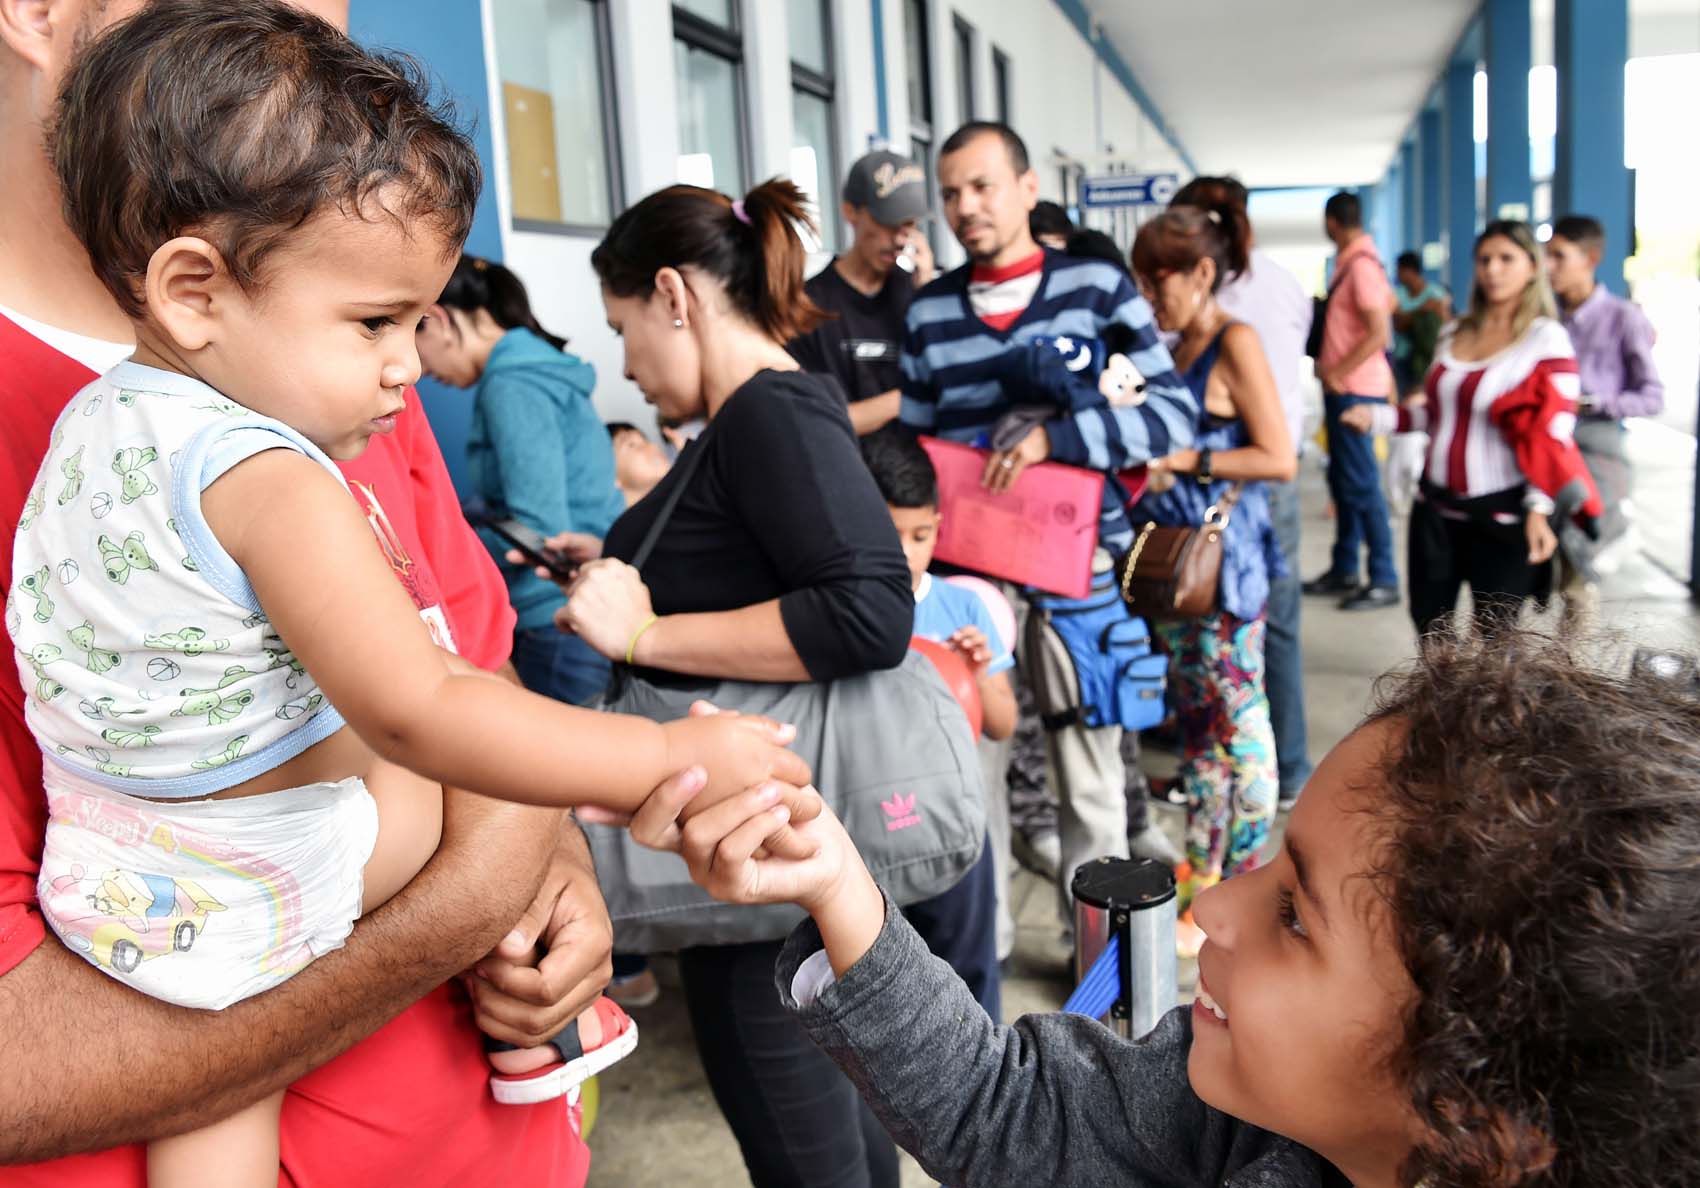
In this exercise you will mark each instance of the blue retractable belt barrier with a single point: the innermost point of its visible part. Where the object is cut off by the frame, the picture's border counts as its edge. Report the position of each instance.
(1101, 986)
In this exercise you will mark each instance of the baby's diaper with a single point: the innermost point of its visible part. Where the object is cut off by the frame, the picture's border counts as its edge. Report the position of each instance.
(208, 902)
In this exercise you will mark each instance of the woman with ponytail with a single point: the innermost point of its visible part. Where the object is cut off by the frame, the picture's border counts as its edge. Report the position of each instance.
(778, 563)
(536, 452)
(1228, 771)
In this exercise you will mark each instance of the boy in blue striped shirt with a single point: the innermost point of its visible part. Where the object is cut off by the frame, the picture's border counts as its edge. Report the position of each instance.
(980, 342)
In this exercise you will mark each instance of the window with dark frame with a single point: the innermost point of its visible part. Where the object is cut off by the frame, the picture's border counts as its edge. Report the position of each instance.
(814, 153)
(560, 128)
(1000, 84)
(708, 63)
(964, 69)
(918, 55)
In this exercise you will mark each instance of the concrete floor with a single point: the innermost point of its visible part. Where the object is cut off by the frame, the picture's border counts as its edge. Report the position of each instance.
(658, 1124)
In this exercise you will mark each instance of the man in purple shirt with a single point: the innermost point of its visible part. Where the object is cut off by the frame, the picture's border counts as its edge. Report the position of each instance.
(1614, 354)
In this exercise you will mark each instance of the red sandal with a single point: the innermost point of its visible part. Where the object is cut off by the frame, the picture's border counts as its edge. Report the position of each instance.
(619, 1038)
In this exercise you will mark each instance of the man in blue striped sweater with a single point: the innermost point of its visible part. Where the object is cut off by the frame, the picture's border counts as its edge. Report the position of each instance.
(975, 346)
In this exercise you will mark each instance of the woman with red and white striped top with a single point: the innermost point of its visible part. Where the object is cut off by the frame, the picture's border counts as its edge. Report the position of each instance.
(1502, 460)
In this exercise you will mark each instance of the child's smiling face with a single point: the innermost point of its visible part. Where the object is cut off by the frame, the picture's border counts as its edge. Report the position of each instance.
(325, 342)
(1302, 962)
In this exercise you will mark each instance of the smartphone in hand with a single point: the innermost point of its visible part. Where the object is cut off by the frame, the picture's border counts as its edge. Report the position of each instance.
(531, 545)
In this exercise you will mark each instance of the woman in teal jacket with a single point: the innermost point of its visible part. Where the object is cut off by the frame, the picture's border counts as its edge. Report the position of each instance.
(536, 452)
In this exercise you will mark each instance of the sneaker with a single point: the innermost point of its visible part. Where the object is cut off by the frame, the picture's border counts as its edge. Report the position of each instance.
(1371, 598)
(1039, 852)
(1287, 799)
(618, 1039)
(1330, 583)
(1151, 842)
(1168, 793)
(635, 990)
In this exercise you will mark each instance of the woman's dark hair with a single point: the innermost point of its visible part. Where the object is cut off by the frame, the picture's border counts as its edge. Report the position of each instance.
(1408, 260)
(615, 428)
(1207, 190)
(751, 247)
(477, 284)
(901, 468)
(1542, 865)
(1177, 239)
(1092, 244)
(1048, 218)
(238, 123)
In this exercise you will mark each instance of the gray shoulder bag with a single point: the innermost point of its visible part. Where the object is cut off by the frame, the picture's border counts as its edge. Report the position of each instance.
(891, 752)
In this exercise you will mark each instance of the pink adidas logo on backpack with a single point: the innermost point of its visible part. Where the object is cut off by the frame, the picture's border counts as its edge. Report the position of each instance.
(900, 812)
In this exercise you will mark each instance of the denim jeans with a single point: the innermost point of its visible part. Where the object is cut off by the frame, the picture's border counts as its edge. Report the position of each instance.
(1360, 509)
(559, 665)
(1283, 662)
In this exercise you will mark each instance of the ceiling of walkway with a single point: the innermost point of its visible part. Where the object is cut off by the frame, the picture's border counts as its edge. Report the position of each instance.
(1287, 92)
(1318, 92)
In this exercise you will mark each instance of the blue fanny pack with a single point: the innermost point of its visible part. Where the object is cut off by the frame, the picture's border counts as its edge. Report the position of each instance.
(1121, 679)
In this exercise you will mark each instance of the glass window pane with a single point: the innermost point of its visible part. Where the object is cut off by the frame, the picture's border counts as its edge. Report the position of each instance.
(711, 151)
(548, 55)
(921, 152)
(812, 165)
(807, 21)
(920, 82)
(1000, 76)
(964, 73)
(721, 12)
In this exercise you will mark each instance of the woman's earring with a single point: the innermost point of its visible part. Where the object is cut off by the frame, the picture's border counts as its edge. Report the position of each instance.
(678, 323)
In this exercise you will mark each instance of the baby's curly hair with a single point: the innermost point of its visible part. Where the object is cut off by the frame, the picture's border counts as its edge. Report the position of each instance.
(238, 123)
(1543, 870)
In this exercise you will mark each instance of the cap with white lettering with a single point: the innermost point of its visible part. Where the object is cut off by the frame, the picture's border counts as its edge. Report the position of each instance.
(893, 189)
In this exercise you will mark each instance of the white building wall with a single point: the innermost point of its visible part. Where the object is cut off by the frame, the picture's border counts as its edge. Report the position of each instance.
(1056, 87)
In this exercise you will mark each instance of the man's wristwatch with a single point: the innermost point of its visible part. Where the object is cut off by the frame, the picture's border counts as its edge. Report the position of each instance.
(1205, 475)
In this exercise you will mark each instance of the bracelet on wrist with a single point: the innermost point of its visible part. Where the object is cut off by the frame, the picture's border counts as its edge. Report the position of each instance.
(631, 647)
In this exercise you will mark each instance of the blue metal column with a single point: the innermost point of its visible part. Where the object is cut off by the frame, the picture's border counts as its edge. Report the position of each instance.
(1429, 140)
(1460, 91)
(1590, 48)
(1510, 194)
(452, 47)
(1410, 197)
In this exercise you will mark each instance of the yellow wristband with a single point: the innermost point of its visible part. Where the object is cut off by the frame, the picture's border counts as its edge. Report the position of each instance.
(631, 648)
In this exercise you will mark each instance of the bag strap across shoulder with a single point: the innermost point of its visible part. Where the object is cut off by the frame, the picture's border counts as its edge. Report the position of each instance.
(684, 470)
(1224, 507)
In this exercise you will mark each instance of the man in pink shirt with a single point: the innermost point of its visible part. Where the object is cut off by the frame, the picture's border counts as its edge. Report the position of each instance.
(1353, 369)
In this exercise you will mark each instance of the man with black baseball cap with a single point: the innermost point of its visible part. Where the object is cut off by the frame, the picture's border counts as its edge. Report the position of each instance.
(869, 287)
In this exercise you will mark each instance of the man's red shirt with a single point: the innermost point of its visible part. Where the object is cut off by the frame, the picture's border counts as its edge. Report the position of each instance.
(411, 1103)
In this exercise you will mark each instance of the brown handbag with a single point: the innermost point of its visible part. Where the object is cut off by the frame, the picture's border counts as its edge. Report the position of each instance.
(1176, 573)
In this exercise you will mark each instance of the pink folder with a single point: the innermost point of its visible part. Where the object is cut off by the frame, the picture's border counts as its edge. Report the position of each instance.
(1041, 533)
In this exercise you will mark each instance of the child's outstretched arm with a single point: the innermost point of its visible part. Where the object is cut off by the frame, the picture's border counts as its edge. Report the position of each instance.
(1054, 1099)
(310, 557)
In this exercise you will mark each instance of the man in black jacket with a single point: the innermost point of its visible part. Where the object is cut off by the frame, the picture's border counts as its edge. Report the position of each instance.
(869, 287)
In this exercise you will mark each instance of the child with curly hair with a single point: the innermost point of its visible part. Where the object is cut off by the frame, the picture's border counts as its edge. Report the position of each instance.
(1472, 964)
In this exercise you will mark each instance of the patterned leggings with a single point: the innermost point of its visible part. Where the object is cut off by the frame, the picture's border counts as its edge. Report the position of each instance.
(1228, 770)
